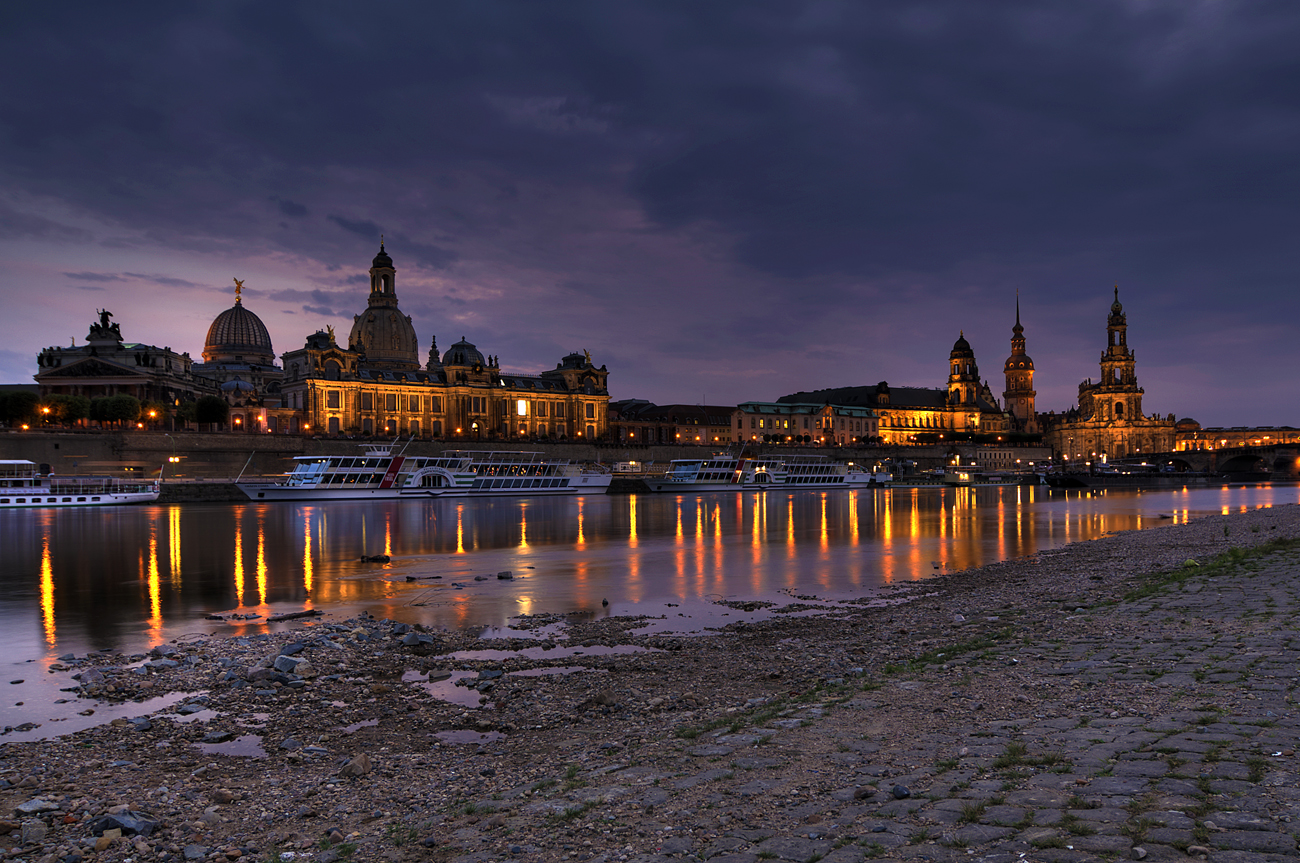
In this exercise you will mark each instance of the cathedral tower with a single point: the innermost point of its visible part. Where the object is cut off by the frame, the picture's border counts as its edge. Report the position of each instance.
(1019, 371)
(963, 374)
(1116, 396)
(382, 332)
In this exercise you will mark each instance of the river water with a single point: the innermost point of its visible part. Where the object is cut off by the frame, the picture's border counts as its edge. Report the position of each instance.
(127, 578)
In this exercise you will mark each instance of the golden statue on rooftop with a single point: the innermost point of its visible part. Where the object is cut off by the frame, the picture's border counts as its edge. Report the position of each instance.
(239, 287)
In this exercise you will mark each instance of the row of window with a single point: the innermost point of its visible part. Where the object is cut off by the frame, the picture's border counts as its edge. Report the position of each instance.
(45, 500)
(393, 402)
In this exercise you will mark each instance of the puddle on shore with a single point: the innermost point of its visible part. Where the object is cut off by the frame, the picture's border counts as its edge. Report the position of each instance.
(197, 716)
(246, 746)
(446, 689)
(103, 714)
(558, 669)
(553, 652)
(469, 737)
(357, 726)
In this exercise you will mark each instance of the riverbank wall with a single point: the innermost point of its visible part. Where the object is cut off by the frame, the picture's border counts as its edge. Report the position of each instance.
(225, 456)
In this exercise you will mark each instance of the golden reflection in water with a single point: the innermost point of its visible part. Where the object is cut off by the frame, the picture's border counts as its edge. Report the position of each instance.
(47, 589)
(679, 521)
(631, 521)
(853, 517)
(634, 586)
(460, 528)
(388, 534)
(914, 532)
(789, 528)
(582, 533)
(825, 532)
(523, 524)
(261, 561)
(155, 589)
(306, 554)
(239, 562)
(1002, 524)
(699, 520)
(174, 544)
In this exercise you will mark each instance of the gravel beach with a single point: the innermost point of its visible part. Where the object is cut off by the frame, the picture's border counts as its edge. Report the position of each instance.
(1125, 698)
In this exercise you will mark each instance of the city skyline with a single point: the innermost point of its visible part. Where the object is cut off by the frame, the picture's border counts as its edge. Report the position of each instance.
(731, 202)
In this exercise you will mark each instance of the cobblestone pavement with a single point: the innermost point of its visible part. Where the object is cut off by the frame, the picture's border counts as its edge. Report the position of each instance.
(1191, 753)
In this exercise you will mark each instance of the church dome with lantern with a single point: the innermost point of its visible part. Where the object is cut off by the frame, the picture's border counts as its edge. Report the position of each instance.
(382, 333)
(238, 336)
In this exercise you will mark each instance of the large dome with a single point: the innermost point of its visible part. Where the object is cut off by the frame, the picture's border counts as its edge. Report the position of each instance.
(387, 337)
(463, 354)
(238, 335)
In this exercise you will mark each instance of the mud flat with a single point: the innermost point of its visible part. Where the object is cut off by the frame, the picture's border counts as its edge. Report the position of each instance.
(1126, 698)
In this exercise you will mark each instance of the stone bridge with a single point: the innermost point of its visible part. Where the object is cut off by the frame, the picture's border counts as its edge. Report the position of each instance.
(1282, 461)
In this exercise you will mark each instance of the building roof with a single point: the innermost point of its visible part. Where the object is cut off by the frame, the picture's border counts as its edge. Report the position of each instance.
(237, 331)
(900, 398)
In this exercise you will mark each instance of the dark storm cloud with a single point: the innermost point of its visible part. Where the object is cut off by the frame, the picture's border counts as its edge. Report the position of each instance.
(828, 181)
(362, 228)
(26, 225)
(165, 281)
(290, 208)
(94, 277)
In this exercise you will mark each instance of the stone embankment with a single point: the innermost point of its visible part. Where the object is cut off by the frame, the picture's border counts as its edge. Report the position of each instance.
(1127, 698)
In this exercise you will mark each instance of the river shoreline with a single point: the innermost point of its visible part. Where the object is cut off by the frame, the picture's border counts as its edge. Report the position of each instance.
(1042, 708)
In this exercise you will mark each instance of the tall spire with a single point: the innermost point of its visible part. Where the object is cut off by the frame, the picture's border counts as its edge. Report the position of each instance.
(1017, 329)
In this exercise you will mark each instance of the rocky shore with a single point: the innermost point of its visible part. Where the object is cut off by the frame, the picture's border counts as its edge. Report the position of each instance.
(1126, 698)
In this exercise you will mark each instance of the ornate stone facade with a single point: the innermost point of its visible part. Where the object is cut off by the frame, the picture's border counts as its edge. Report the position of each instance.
(238, 355)
(1108, 422)
(376, 386)
(905, 415)
(1019, 373)
(108, 365)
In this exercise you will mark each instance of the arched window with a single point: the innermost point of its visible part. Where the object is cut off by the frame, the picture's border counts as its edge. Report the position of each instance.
(1119, 410)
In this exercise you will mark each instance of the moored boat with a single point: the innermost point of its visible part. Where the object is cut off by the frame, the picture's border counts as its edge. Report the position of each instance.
(722, 472)
(971, 476)
(21, 485)
(383, 472)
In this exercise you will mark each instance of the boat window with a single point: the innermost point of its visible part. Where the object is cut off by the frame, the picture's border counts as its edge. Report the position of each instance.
(67, 500)
(24, 500)
(80, 499)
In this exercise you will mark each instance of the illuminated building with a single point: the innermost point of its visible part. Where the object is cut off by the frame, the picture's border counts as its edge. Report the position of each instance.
(237, 353)
(377, 386)
(637, 421)
(908, 415)
(804, 422)
(107, 365)
(1019, 372)
(1108, 422)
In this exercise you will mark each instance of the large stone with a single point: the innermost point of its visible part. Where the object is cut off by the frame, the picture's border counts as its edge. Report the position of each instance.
(359, 765)
(33, 832)
(130, 823)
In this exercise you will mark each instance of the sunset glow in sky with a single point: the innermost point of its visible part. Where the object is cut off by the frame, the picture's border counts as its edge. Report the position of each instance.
(722, 201)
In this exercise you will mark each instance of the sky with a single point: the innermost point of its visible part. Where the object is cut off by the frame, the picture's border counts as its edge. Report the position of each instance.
(721, 201)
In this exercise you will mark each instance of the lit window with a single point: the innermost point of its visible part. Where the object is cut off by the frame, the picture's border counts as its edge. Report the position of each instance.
(521, 407)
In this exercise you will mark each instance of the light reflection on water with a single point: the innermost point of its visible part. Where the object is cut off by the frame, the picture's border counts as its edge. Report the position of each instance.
(130, 577)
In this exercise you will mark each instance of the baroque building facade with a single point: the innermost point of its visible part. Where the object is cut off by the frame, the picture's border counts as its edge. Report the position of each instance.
(1108, 422)
(906, 415)
(108, 365)
(376, 385)
(1019, 395)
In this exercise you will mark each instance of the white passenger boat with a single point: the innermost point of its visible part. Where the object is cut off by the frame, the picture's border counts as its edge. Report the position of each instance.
(723, 472)
(21, 485)
(381, 472)
(970, 476)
